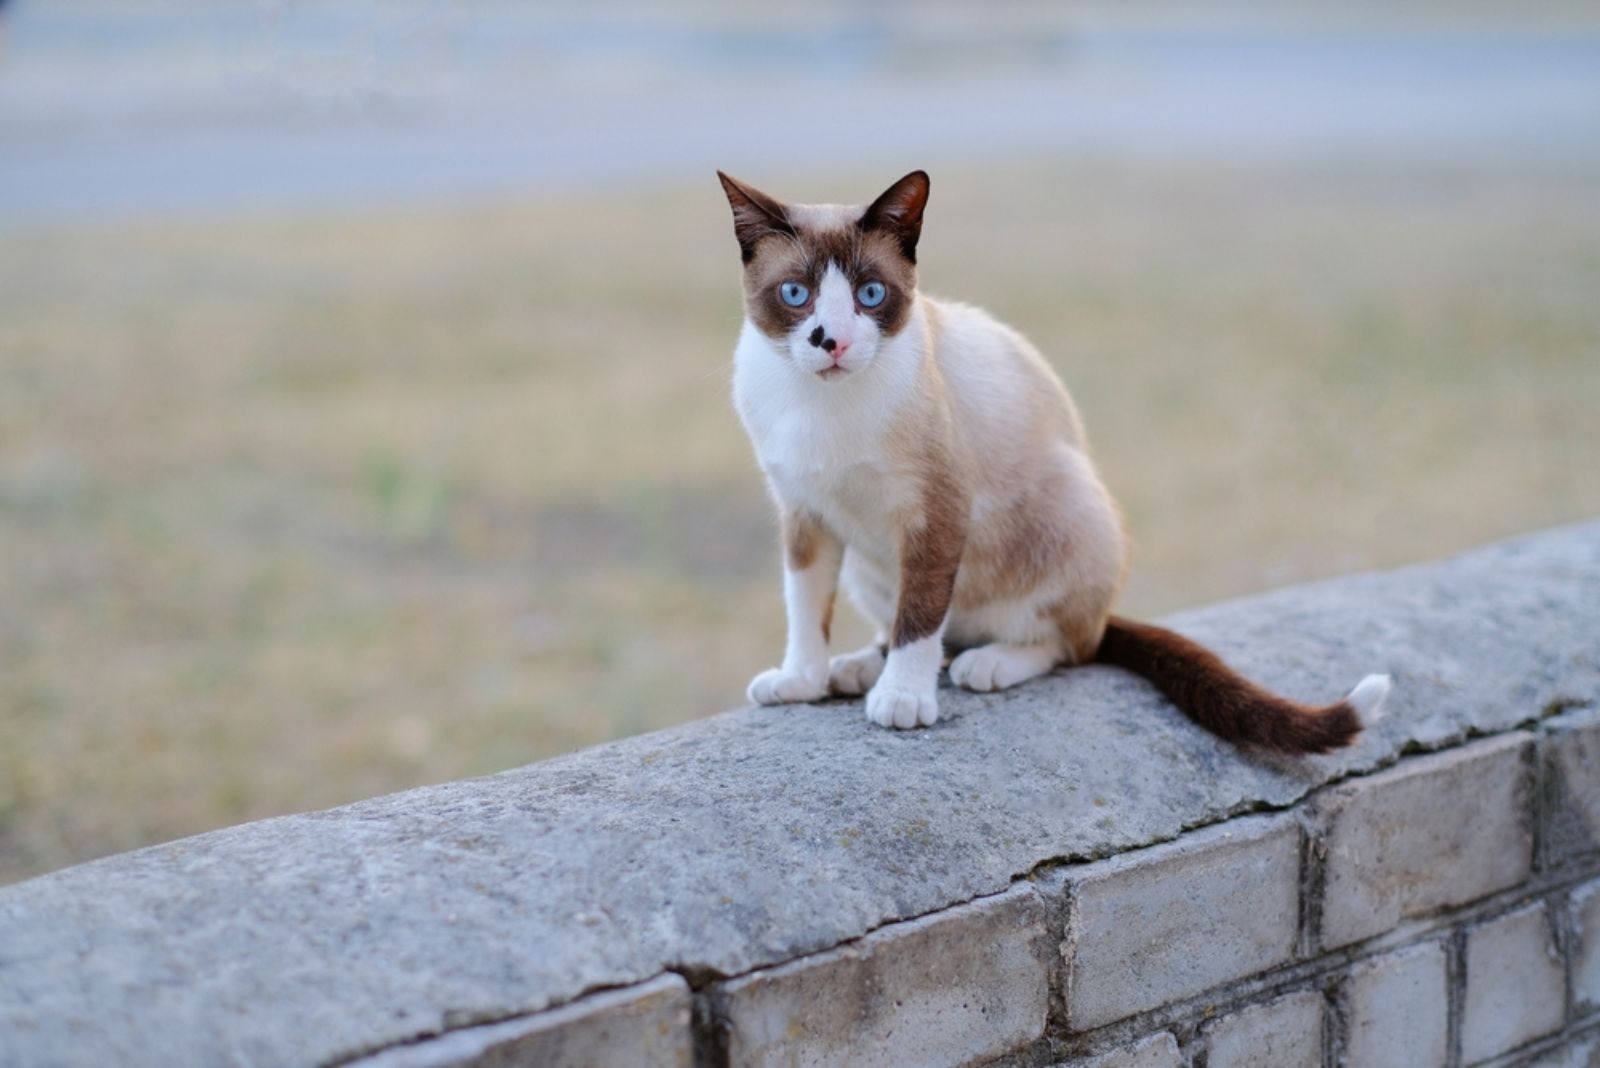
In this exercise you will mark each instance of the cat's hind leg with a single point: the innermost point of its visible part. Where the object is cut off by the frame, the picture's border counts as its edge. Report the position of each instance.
(852, 674)
(1000, 665)
(1007, 642)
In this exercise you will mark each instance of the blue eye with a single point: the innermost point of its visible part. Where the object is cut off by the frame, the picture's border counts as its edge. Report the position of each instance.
(794, 294)
(871, 295)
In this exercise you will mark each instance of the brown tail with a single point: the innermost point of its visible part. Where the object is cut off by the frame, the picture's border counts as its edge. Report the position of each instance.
(1230, 705)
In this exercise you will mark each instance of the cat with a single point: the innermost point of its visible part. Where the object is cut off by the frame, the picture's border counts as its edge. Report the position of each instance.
(926, 456)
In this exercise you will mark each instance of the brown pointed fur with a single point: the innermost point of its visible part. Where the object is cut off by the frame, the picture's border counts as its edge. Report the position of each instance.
(1218, 698)
(991, 503)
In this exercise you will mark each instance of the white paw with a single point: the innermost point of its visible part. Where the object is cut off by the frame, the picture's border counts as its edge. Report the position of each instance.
(889, 706)
(775, 686)
(997, 666)
(852, 674)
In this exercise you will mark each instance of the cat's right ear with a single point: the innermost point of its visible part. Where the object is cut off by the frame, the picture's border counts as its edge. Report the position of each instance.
(755, 215)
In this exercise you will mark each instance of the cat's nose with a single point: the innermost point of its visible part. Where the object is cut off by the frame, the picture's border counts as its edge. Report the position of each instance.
(832, 346)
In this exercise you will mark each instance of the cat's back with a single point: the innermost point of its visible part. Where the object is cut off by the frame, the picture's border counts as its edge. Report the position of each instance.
(997, 379)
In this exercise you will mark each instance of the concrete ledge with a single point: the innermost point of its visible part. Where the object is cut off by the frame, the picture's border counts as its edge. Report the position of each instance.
(754, 838)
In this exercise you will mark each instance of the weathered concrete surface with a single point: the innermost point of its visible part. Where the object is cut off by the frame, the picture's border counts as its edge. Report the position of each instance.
(743, 840)
(965, 985)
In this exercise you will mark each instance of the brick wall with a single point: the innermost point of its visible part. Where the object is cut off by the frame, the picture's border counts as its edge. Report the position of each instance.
(1443, 911)
(1069, 873)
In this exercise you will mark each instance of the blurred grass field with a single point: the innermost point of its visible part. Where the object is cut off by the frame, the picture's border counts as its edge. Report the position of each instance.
(294, 511)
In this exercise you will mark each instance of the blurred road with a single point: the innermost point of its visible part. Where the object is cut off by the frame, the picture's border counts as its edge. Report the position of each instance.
(108, 112)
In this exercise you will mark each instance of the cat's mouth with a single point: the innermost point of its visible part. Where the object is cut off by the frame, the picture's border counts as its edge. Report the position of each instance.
(835, 371)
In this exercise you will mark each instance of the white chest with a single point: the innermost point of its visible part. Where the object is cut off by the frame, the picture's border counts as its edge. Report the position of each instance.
(823, 445)
(841, 477)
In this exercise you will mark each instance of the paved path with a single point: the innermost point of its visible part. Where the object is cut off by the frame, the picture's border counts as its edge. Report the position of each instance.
(104, 113)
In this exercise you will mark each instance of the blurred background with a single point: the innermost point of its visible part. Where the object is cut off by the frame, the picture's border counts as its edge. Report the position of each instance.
(364, 366)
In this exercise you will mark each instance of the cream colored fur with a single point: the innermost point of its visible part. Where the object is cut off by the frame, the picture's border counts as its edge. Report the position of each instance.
(1044, 553)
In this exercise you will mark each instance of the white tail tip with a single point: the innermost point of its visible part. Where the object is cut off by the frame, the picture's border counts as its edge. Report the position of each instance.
(1368, 697)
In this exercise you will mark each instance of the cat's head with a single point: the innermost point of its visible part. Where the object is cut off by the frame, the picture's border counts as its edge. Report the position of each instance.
(829, 284)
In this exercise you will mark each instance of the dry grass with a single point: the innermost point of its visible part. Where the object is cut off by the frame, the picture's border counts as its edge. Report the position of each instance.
(294, 511)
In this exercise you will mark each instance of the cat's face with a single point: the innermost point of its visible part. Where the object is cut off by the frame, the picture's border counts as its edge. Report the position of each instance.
(829, 284)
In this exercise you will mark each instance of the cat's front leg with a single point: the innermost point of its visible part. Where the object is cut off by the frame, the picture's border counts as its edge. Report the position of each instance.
(906, 694)
(812, 554)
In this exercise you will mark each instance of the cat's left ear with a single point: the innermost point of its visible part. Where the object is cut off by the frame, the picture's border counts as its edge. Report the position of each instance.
(898, 212)
(755, 215)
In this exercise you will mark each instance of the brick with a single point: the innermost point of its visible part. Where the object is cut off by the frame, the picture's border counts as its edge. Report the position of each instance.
(1585, 909)
(1156, 1051)
(967, 983)
(1516, 984)
(1569, 803)
(645, 1025)
(1434, 831)
(1285, 1033)
(1397, 1009)
(1166, 923)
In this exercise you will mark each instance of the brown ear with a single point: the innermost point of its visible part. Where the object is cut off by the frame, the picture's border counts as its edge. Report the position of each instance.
(755, 215)
(898, 212)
